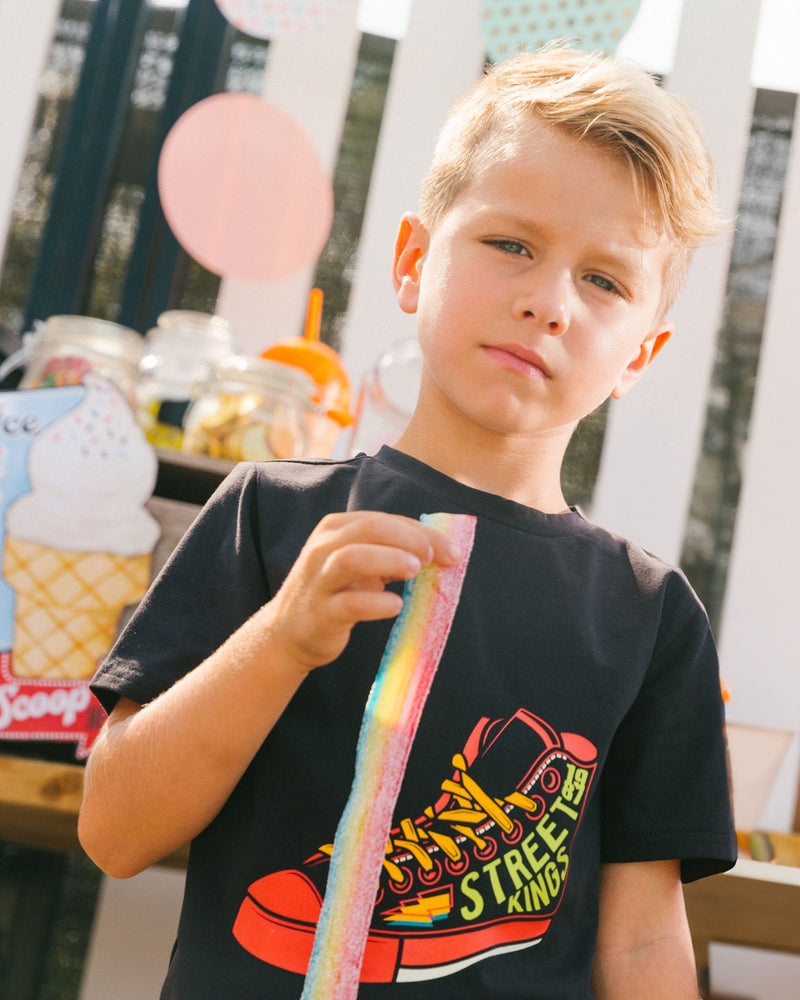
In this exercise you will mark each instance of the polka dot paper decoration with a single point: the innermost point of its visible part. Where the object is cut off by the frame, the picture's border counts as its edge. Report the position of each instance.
(243, 189)
(273, 18)
(511, 26)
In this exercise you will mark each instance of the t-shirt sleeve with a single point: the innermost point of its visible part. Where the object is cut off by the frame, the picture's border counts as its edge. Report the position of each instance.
(213, 582)
(665, 791)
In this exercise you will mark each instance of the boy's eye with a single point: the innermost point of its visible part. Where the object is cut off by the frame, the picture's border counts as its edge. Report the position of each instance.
(509, 246)
(604, 283)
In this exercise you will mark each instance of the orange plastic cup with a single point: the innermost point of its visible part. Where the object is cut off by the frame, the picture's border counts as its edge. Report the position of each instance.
(323, 364)
(320, 361)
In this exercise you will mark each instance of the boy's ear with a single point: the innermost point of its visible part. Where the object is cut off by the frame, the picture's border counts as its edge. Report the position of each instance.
(409, 249)
(635, 368)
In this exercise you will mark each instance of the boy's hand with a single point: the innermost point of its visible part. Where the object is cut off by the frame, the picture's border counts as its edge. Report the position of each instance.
(132, 813)
(340, 576)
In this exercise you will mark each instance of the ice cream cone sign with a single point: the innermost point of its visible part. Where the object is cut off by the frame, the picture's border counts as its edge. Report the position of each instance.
(77, 543)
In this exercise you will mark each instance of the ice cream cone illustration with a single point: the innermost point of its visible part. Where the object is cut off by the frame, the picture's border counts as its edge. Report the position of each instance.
(79, 544)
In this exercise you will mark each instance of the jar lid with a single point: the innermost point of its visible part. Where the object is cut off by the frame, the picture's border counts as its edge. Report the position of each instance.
(323, 364)
(208, 325)
(100, 335)
(263, 374)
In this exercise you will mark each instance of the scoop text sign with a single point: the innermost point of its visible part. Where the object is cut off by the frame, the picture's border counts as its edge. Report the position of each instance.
(48, 710)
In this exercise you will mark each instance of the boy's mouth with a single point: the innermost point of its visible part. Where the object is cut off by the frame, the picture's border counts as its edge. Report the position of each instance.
(518, 358)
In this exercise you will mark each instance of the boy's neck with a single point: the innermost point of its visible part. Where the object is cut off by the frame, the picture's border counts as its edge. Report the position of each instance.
(526, 470)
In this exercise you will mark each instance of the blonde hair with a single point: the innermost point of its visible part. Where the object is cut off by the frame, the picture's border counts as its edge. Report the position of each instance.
(604, 100)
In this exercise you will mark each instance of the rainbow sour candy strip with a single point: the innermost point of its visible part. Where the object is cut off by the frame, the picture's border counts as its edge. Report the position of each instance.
(391, 717)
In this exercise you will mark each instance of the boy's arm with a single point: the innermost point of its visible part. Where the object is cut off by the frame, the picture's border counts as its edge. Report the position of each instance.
(158, 775)
(644, 948)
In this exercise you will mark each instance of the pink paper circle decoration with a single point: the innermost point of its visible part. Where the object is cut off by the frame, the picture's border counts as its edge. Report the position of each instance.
(242, 188)
(510, 26)
(273, 18)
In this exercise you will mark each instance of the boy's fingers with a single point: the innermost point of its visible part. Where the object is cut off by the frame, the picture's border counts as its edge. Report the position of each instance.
(350, 606)
(427, 543)
(341, 577)
(445, 551)
(346, 567)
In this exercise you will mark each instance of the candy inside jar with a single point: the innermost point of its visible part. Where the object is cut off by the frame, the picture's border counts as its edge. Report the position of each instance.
(64, 348)
(251, 410)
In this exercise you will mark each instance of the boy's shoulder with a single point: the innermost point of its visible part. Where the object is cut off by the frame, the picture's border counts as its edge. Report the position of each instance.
(284, 494)
(662, 587)
(296, 473)
(651, 571)
(290, 478)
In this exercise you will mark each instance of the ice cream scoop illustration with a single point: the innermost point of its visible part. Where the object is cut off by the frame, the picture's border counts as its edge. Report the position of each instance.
(79, 545)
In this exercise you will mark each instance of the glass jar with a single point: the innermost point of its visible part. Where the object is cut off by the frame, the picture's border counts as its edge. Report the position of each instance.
(251, 409)
(387, 397)
(331, 389)
(64, 348)
(180, 353)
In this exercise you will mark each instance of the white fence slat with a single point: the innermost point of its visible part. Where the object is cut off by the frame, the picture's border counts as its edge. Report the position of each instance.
(26, 31)
(308, 76)
(653, 437)
(760, 629)
(439, 58)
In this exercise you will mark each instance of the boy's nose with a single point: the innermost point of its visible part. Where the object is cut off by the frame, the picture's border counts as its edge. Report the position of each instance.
(546, 304)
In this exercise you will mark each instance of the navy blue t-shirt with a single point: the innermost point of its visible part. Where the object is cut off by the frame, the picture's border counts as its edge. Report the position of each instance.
(575, 719)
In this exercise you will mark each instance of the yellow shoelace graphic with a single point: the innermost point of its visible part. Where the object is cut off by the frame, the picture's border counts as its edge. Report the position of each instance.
(474, 807)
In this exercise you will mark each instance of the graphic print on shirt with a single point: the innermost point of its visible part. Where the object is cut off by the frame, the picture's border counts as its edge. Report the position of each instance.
(480, 872)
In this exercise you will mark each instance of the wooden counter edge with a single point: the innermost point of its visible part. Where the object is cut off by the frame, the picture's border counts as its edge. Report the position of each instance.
(740, 908)
(39, 805)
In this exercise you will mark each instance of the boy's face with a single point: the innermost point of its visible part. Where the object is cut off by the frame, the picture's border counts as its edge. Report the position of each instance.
(537, 295)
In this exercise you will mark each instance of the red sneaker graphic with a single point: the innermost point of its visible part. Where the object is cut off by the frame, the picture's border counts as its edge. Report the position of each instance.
(481, 872)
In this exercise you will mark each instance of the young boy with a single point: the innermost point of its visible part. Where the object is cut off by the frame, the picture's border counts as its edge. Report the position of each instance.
(570, 766)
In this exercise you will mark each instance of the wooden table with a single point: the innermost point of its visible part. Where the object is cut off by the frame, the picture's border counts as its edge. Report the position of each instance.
(39, 804)
(755, 905)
